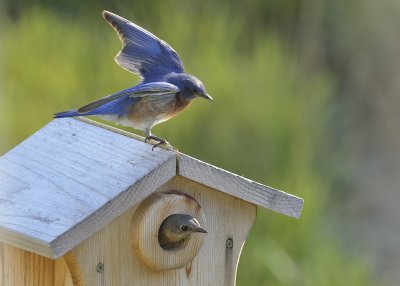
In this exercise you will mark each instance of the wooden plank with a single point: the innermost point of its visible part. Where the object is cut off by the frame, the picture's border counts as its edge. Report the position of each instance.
(72, 178)
(224, 181)
(75, 275)
(113, 208)
(20, 267)
(240, 187)
(226, 217)
(62, 275)
(69, 180)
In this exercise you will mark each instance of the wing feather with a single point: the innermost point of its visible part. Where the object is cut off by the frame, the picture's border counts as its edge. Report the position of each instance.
(142, 52)
(142, 90)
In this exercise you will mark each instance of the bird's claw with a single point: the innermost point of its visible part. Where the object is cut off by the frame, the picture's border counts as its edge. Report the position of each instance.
(155, 138)
(161, 142)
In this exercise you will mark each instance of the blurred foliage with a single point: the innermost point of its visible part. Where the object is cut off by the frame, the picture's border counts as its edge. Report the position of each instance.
(269, 122)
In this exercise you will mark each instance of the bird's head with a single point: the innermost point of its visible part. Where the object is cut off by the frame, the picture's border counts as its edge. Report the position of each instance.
(190, 86)
(176, 227)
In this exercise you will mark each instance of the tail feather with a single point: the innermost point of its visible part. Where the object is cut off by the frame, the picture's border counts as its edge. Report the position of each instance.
(69, 113)
(117, 106)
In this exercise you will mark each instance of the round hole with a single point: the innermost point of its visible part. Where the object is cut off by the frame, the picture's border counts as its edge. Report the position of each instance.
(172, 246)
(145, 231)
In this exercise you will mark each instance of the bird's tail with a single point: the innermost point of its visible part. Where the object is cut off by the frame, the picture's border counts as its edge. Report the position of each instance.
(69, 113)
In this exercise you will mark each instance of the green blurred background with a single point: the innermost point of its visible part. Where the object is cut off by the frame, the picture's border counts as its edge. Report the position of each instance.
(305, 101)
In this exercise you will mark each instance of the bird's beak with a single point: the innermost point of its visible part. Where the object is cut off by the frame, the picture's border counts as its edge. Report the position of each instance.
(200, 229)
(206, 96)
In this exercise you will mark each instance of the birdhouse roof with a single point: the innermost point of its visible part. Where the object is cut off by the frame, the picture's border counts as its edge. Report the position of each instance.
(73, 177)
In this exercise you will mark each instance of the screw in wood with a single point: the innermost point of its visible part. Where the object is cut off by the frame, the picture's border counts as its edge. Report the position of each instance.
(229, 243)
(100, 267)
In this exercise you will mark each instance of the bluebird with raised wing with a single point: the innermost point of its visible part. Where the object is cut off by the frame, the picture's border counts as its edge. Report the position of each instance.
(164, 91)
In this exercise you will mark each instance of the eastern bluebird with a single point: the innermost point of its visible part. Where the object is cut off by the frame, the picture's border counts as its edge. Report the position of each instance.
(164, 91)
(176, 228)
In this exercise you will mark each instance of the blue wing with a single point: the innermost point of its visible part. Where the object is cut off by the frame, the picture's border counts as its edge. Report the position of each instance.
(142, 52)
(120, 102)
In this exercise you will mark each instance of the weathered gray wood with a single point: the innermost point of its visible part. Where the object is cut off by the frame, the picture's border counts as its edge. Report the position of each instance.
(240, 187)
(230, 183)
(70, 179)
(73, 177)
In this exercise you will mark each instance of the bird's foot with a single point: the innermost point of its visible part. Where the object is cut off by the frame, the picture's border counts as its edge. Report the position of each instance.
(155, 138)
(160, 143)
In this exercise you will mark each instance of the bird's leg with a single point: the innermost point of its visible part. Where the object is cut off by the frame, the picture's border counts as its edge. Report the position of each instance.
(160, 141)
(150, 136)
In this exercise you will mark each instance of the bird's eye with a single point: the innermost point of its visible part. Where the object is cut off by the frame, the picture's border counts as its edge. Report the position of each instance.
(193, 91)
(184, 227)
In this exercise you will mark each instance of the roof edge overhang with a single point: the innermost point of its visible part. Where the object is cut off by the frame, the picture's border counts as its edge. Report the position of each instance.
(227, 182)
(170, 166)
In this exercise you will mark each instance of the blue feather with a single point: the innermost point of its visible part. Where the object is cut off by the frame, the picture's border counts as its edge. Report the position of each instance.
(165, 90)
(118, 106)
(120, 102)
(69, 113)
(143, 52)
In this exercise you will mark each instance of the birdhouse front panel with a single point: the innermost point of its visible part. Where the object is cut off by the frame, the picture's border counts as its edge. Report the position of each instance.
(108, 257)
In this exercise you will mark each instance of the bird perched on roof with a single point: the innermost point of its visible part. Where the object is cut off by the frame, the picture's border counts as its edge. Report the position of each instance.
(176, 228)
(164, 91)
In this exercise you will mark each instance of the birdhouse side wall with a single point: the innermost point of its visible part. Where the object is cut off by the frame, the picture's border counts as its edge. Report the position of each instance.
(21, 267)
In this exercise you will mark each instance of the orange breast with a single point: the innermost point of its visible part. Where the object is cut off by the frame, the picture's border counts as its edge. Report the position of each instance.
(180, 104)
(157, 109)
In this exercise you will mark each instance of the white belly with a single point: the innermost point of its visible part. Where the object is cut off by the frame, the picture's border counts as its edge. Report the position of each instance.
(123, 120)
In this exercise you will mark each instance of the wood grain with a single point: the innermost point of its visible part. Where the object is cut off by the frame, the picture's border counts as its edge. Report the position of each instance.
(226, 217)
(70, 262)
(70, 179)
(146, 222)
(20, 267)
(239, 186)
(73, 177)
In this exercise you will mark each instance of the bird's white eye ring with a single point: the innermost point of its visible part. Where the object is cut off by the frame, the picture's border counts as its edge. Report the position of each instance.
(184, 227)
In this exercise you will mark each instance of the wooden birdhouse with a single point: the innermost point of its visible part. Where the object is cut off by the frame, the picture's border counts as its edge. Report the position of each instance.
(82, 204)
